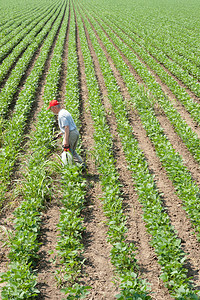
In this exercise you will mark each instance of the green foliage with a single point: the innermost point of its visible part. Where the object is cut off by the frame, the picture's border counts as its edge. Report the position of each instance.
(164, 239)
(69, 246)
(76, 292)
(122, 253)
(37, 188)
(151, 40)
(13, 136)
(22, 282)
(30, 43)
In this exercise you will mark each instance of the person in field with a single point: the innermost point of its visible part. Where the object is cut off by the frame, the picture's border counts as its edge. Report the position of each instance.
(68, 130)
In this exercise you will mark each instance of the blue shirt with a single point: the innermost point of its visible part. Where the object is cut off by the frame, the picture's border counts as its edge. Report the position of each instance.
(65, 119)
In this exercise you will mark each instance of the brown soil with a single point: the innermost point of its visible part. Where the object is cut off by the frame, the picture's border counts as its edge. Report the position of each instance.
(47, 266)
(177, 215)
(97, 271)
(149, 267)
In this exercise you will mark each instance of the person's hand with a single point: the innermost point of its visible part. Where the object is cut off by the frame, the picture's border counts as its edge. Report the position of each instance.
(59, 135)
(66, 147)
(54, 138)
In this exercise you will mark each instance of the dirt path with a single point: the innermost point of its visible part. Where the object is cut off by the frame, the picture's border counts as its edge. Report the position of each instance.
(172, 202)
(149, 267)
(98, 271)
(6, 224)
(47, 267)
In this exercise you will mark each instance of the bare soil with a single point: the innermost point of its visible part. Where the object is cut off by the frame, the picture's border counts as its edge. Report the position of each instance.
(97, 271)
(149, 267)
(178, 216)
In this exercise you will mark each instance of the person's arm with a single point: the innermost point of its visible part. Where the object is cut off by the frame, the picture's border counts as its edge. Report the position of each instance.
(66, 136)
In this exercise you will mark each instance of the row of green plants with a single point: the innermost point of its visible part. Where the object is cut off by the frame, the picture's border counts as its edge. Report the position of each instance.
(7, 24)
(189, 137)
(13, 42)
(185, 48)
(69, 246)
(37, 189)
(181, 72)
(18, 12)
(183, 193)
(164, 239)
(122, 252)
(142, 37)
(37, 26)
(168, 30)
(19, 25)
(12, 83)
(13, 29)
(168, 51)
(13, 135)
(192, 106)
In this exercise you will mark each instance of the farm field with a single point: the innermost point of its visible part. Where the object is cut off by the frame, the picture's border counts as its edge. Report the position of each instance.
(129, 226)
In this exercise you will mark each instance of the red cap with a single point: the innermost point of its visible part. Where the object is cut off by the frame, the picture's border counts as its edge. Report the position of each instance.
(53, 103)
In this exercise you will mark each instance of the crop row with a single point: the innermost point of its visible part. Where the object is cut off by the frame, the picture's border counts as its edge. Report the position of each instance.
(24, 243)
(122, 253)
(180, 71)
(181, 94)
(70, 247)
(182, 74)
(183, 48)
(6, 24)
(14, 132)
(169, 31)
(185, 132)
(10, 88)
(38, 24)
(168, 51)
(8, 47)
(164, 240)
(183, 52)
(180, 182)
(20, 24)
(13, 29)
